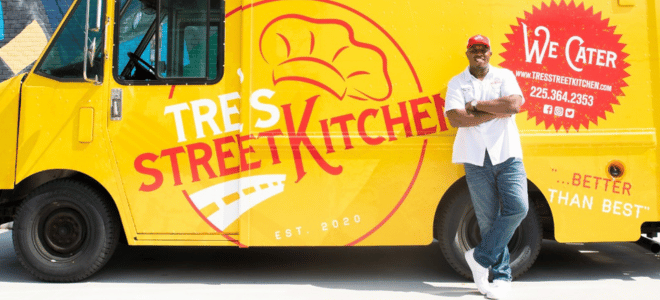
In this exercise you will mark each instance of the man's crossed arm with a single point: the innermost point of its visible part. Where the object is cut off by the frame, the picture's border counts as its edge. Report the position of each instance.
(485, 111)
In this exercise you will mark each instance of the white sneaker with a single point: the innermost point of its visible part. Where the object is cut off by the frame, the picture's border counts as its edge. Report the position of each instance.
(499, 290)
(479, 273)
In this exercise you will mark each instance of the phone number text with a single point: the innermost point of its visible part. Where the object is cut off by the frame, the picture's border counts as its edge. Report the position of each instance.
(562, 96)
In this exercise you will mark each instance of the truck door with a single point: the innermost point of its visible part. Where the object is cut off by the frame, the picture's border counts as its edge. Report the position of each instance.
(174, 117)
(62, 98)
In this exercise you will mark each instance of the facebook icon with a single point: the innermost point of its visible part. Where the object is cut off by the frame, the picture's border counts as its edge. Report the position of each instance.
(547, 109)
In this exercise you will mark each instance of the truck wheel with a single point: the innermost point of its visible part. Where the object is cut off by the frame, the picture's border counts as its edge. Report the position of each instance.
(65, 231)
(458, 231)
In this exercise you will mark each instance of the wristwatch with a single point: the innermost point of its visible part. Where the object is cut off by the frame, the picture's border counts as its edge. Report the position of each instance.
(474, 104)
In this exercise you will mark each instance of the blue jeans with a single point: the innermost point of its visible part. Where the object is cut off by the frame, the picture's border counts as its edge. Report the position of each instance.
(499, 196)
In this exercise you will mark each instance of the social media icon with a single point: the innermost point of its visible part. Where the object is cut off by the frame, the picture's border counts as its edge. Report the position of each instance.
(570, 113)
(559, 111)
(547, 109)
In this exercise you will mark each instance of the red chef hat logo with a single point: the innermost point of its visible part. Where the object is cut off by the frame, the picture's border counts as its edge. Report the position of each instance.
(325, 53)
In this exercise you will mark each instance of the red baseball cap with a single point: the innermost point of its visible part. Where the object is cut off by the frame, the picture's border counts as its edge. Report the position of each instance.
(478, 40)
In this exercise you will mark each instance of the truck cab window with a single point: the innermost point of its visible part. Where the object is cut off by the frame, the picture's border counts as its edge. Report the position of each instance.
(65, 57)
(170, 40)
(136, 38)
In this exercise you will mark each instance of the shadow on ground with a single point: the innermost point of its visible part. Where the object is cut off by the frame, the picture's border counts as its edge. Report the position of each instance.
(399, 269)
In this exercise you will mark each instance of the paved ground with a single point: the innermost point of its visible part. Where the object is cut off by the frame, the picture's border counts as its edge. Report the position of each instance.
(590, 271)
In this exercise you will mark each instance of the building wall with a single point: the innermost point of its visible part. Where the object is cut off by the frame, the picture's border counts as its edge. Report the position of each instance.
(25, 27)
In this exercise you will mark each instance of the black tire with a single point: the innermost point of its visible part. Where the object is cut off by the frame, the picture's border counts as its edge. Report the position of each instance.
(65, 231)
(458, 231)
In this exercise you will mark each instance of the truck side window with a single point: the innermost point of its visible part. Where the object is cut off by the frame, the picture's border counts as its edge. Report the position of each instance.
(170, 41)
(64, 58)
(135, 39)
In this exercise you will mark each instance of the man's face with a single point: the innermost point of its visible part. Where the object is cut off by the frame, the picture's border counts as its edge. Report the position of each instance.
(479, 56)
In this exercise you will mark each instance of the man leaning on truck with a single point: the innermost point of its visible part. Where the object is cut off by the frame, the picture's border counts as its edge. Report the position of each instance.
(482, 102)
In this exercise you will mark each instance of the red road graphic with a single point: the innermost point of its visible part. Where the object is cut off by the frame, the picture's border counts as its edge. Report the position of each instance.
(229, 238)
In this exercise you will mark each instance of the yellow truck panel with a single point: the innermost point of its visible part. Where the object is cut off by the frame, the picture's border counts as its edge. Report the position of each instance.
(9, 100)
(584, 142)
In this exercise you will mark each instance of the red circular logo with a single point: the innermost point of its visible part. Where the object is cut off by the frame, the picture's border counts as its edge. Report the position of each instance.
(569, 64)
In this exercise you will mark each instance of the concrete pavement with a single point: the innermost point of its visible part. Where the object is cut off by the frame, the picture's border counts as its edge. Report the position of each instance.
(575, 271)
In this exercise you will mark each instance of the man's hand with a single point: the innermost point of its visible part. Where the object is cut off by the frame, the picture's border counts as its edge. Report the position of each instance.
(469, 108)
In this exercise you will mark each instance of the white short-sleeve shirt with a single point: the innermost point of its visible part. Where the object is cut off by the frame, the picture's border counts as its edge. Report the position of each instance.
(499, 136)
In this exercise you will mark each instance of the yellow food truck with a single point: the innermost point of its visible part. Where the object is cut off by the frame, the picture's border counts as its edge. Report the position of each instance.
(320, 123)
